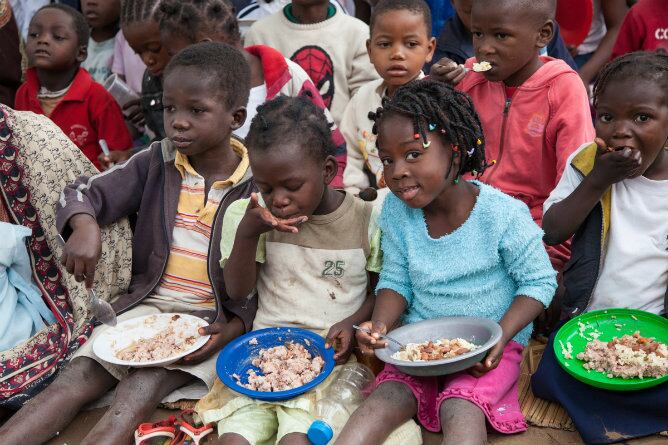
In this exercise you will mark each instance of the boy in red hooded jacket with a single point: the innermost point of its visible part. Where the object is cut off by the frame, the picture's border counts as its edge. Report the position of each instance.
(534, 109)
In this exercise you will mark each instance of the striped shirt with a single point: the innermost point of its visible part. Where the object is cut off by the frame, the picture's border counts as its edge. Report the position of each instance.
(186, 277)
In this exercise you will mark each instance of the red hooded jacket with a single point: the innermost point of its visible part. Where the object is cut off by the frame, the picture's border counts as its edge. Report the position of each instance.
(532, 133)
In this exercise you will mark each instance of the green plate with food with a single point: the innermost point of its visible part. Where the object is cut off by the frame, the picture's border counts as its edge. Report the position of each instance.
(616, 349)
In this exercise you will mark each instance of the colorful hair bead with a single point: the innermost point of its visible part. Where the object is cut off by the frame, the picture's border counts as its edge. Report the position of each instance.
(470, 152)
(455, 148)
(443, 131)
(426, 144)
(479, 142)
(493, 161)
(457, 180)
(416, 136)
(432, 127)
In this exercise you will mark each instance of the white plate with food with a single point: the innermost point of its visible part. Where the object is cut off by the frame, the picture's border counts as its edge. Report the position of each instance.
(151, 340)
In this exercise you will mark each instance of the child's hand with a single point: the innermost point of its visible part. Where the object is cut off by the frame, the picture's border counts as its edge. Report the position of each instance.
(83, 248)
(340, 336)
(221, 333)
(115, 157)
(613, 165)
(135, 114)
(368, 342)
(490, 362)
(259, 220)
(448, 71)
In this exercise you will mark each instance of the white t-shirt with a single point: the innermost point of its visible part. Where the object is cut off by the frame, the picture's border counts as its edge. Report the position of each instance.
(99, 59)
(257, 96)
(634, 263)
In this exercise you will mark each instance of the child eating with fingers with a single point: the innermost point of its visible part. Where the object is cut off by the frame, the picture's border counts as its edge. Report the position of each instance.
(310, 252)
(491, 264)
(613, 200)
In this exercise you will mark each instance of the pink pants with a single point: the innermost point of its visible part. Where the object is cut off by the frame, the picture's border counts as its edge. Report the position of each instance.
(495, 393)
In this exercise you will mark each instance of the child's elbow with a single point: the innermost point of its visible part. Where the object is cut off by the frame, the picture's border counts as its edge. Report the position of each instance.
(551, 239)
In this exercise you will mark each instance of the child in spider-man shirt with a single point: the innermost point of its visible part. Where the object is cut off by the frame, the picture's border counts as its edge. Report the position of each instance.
(327, 43)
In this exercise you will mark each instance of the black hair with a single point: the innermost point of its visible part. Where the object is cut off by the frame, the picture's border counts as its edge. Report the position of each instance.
(540, 10)
(186, 17)
(416, 6)
(133, 11)
(80, 26)
(435, 106)
(223, 64)
(287, 119)
(646, 65)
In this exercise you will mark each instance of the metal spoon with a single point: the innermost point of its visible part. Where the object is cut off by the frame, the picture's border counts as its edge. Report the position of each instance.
(102, 310)
(384, 337)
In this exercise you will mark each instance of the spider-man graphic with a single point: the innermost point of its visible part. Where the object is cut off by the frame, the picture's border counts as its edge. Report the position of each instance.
(318, 65)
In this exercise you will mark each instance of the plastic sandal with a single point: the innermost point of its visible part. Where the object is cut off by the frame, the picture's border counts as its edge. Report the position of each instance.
(193, 432)
(159, 433)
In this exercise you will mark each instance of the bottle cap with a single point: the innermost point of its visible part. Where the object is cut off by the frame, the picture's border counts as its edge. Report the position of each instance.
(320, 433)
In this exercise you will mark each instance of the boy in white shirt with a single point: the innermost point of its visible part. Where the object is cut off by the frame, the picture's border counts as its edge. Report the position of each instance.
(399, 46)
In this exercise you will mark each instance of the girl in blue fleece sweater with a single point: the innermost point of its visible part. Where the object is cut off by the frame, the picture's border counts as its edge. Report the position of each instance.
(451, 247)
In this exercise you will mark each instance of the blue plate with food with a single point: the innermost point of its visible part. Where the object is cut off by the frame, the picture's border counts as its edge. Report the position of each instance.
(275, 363)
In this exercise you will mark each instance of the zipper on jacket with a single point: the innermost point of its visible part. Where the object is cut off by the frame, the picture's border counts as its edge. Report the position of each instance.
(213, 226)
(506, 109)
(164, 228)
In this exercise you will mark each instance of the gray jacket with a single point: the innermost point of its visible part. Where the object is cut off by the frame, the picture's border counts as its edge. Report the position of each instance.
(148, 186)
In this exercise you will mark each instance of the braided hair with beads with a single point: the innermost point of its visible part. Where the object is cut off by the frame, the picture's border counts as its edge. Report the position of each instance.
(188, 17)
(645, 65)
(133, 11)
(436, 107)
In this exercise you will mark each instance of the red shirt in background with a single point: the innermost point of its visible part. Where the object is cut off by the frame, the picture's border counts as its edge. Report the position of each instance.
(645, 28)
(86, 114)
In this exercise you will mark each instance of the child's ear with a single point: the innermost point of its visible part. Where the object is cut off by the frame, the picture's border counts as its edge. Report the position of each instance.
(545, 34)
(82, 53)
(431, 47)
(239, 117)
(329, 169)
(368, 44)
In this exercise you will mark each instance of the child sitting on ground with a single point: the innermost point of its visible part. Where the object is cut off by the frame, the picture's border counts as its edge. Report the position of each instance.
(57, 87)
(491, 263)
(183, 23)
(400, 44)
(613, 200)
(326, 42)
(534, 109)
(102, 17)
(179, 190)
(307, 249)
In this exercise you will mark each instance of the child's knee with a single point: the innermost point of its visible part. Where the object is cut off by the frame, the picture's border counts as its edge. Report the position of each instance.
(395, 393)
(463, 423)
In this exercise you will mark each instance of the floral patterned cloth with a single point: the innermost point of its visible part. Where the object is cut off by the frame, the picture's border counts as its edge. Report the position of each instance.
(36, 162)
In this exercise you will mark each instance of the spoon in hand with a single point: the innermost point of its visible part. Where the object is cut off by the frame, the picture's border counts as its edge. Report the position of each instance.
(102, 310)
(382, 336)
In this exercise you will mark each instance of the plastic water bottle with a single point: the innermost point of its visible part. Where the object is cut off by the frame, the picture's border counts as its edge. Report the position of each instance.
(339, 401)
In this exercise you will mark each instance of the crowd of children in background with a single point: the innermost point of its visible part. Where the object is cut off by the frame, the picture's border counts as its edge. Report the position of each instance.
(535, 190)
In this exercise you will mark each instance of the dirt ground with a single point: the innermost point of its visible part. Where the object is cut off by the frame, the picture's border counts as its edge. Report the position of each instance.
(534, 436)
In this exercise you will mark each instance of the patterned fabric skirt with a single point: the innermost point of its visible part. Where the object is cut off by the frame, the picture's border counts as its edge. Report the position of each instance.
(37, 160)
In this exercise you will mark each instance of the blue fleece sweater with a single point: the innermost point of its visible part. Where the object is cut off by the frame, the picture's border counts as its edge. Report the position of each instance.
(477, 270)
